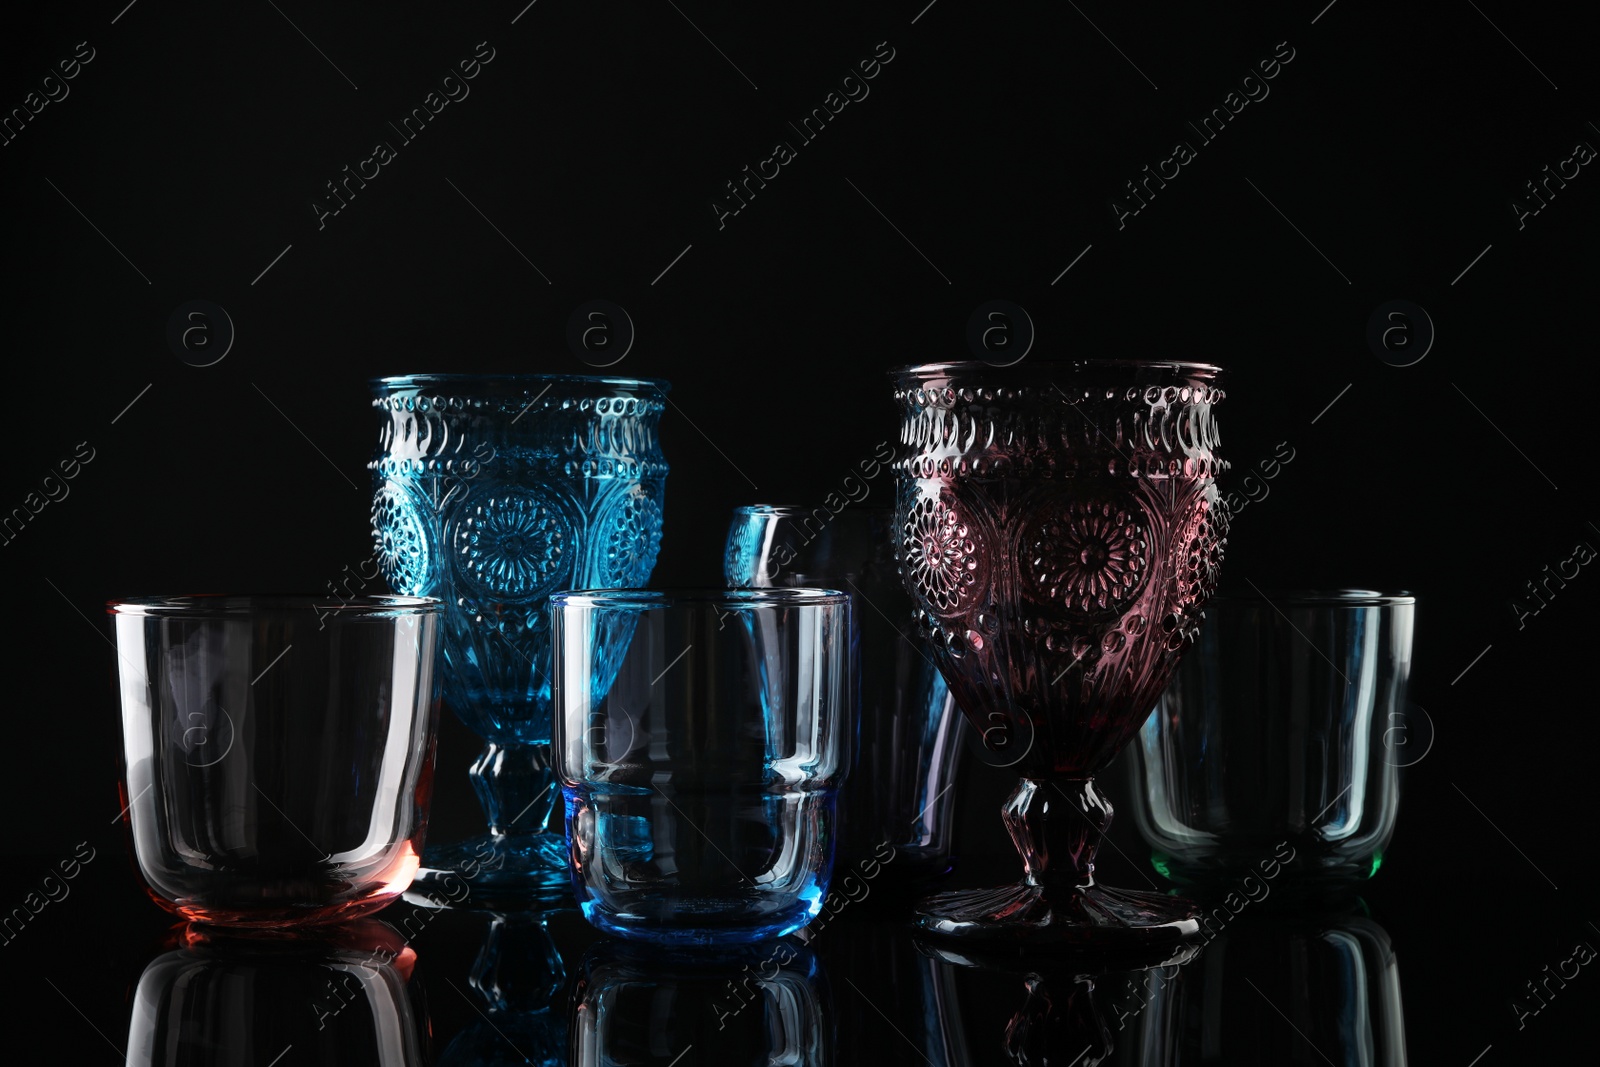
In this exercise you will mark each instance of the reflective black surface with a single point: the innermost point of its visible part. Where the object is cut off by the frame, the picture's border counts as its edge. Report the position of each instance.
(1404, 973)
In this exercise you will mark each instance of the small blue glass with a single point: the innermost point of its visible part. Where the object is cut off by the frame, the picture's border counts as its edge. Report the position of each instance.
(490, 493)
(700, 739)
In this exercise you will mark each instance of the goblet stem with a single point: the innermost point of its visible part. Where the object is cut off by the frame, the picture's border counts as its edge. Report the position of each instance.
(515, 784)
(518, 861)
(519, 968)
(1055, 1018)
(1057, 827)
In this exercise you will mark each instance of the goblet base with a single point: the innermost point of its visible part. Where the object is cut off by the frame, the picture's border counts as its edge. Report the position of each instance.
(1094, 917)
(494, 872)
(1002, 959)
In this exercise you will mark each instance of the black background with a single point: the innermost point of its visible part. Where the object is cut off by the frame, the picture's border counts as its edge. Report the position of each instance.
(1383, 165)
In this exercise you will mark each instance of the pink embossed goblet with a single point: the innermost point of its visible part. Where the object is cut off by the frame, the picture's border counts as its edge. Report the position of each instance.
(1059, 532)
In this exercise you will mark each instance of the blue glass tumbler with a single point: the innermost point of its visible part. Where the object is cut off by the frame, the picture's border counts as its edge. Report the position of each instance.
(491, 493)
(701, 742)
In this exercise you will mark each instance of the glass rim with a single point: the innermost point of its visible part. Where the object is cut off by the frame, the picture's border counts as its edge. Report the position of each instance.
(251, 605)
(788, 511)
(777, 596)
(401, 381)
(1038, 368)
(1299, 597)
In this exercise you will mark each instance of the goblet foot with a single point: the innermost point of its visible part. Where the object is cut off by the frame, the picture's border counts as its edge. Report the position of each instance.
(494, 872)
(1066, 1014)
(1093, 917)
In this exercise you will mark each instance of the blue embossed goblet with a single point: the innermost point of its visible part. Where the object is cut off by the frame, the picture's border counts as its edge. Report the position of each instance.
(491, 493)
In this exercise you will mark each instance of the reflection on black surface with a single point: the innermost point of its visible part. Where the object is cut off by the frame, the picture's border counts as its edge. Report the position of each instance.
(517, 976)
(881, 975)
(1297, 984)
(1072, 1009)
(340, 996)
(1303, 984)
(1318, 987)
(639, 1005)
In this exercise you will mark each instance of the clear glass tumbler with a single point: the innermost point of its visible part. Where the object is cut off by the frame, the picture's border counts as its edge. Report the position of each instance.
(700, 738)
(1270, 743)
(278, 751)
(909, 749)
